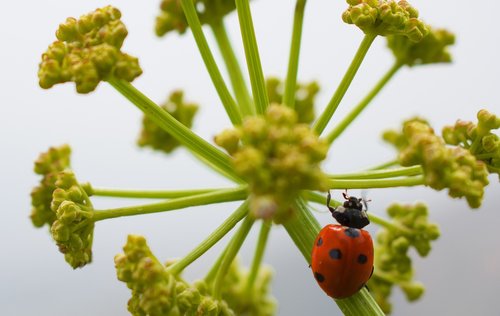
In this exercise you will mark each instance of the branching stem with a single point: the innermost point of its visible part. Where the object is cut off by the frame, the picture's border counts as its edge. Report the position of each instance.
(327, 114)
(214, 72)
(174, 204)
(259, 89)
(293, 63)
(342, 125)
(233, 68)
(211, 240)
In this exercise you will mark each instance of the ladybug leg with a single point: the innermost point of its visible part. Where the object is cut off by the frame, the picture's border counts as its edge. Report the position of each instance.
(328, 198)
(345, 195)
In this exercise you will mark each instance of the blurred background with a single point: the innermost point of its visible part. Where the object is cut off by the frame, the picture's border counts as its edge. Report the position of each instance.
(461, 274)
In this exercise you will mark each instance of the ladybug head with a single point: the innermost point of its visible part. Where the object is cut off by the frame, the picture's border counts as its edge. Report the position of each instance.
(351, 213)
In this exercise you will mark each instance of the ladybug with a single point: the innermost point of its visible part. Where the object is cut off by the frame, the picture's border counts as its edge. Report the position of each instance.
(342, 255)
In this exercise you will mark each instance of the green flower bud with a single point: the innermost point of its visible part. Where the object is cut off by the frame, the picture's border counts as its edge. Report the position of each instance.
(305, 95)
(153, 136)
(433, 48)
(73, 227)
(386, 17)
(409, 227)
(88, 51)
(278, 157)
(171, 17)
(413, 291)
(444, 167)
(48, 164)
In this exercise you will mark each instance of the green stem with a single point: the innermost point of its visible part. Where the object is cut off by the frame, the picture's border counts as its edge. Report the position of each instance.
(174, 204)
(259, 253)
(380, 173)
(230, 254)
(211, 155)
(375, 219)
(339, 128)
(144, 194)
(293, 63)
(385, 165)
(259, 89)
(493, 169)
(485, 156)
(208, 58)
(375, 183)
(303, 229)
(314, 197)
(211, 240)
(327, 114)
(233, 68)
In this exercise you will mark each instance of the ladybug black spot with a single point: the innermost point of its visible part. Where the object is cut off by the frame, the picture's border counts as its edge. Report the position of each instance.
(335, 254)
(319, 277)
(320, 242)
(352, 232)
(362, 259)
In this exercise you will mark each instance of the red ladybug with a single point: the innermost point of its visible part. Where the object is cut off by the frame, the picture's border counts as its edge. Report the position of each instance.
(342, 256)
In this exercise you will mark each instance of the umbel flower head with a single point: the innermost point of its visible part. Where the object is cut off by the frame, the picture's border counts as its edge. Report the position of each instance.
(87, 51)
(155, 137)
(385, 17)
(256, 301)
(48, 165)
(454, 168)
(478, 137)
(171, 17)
(156, 291)
(278, 157)
(305, 95)
(73, 228)
(433, 48)
(409, 227)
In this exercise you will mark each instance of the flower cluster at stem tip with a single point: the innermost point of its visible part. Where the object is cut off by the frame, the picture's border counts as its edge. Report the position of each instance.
(408, 228)
(305, 96)
(381, 17)
(172, 18)
(154, 136)
(88, 51)
(433, 48)
(157, 291)
(277, 157)
(455, 168)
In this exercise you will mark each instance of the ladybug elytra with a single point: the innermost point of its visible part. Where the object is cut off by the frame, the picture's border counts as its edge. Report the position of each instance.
(342, 256)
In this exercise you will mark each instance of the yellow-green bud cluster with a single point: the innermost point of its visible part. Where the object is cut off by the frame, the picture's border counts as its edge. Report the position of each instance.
(155, 291)
(154, 136)
(478, 138)
(454, 168)
(257, 301)
(87, 51)
(305, 95)
(48, 165)
(278, 157)
(433, 48)
(409, 227)
(73, 229)
(385, 17)
(172, 18)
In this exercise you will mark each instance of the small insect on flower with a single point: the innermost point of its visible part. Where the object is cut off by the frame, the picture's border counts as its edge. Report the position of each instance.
(342, 256)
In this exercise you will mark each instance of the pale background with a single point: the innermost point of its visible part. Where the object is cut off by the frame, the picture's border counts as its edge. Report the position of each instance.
(462, 273)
